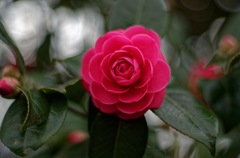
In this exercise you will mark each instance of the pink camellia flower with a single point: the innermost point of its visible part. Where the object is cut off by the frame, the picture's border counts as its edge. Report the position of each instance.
(126, 72)
(8, 87)
(199, 72)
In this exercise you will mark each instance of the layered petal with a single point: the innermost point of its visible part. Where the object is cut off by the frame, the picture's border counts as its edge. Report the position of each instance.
(112, 87)
(158, 99)
(136, 30)
(101, 40)
(161, 77)
(95, 68)
(133, 95)
(115, 43)
(131, 108)
(85, 66)
(105, 108)
(102, 95)
(147, 46)
(146, 74)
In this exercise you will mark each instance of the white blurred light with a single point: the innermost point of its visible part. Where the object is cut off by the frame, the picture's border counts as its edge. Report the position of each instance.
(25, 23)
(75, 29)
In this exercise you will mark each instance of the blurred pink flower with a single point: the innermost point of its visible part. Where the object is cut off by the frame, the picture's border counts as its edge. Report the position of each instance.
(8, 87)
(199, 72)
(126, 72)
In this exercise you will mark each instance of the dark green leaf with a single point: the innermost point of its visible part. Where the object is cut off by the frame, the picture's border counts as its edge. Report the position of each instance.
(10, 133)
(37, 105)
(4, 36)
(112, 137)
(36, 135)
(149, 13)
(223, 96)
(182, 112)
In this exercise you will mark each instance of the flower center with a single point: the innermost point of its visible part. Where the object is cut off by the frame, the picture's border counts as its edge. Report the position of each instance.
(122, 66)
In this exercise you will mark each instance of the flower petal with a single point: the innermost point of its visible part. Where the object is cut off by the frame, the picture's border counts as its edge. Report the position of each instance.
(131, 108)
(85, 66)
(113, 87)
(146, 74)
(133, 95)
(99, 93)
(135, 53)
(101, 40)
(161, 77)
(115, 43)
(135, 30)
(158, 99)
(105, 108)
(95, 68)
(147, 46)
(106, 68)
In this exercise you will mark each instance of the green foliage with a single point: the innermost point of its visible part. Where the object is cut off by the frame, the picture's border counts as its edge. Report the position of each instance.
(53, 102)
(149, 13)
(182, 112)
(26, 110)
(113, 137)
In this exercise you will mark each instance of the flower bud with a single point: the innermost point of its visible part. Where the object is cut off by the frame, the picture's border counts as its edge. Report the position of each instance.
(76, 136)
(8, 87)
(228, 45)
(11, 71)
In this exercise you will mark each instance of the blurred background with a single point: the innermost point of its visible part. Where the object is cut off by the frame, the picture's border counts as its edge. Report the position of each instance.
(52, 35)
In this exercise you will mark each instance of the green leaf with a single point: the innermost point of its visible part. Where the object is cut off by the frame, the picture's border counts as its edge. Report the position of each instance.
(4, 36)
(180, 111)
(112, 137)
(10, 133)
(149, 13)
(37, 105)
(38, 134)
(35, 134)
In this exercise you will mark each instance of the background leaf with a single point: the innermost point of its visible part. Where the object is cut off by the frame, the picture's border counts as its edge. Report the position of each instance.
(180, 111)
(223, 96)
(149, 13)
(112, 137)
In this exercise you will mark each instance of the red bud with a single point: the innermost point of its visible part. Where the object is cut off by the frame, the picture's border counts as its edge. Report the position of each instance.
(8, 87)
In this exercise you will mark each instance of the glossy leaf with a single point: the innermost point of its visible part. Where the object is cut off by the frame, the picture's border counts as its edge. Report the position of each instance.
(112, 137)
(37, 107)
(4, 36)
(37, 133)
(10, 133)
(149, 13)
(183, 113)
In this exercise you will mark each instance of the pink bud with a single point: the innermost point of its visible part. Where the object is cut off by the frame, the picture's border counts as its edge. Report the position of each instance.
(76, 136)
(8, 87)
(228, 45)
